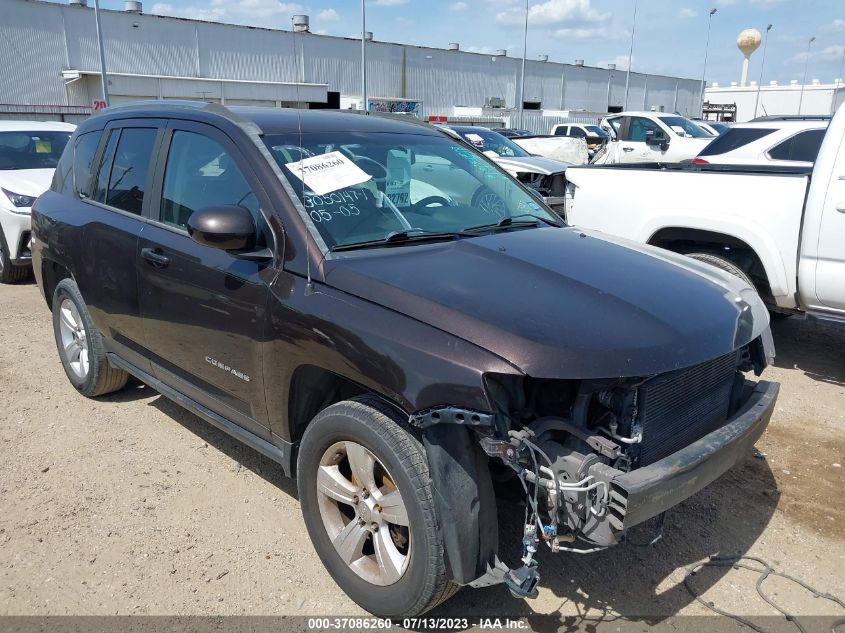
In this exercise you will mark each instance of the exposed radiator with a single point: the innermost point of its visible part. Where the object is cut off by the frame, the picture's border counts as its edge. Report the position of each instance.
(680, 407)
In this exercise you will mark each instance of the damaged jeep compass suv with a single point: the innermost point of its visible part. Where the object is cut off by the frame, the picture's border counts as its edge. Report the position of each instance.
(323, 287)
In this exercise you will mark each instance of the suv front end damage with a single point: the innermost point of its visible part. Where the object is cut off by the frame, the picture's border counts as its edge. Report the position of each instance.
(598, 457)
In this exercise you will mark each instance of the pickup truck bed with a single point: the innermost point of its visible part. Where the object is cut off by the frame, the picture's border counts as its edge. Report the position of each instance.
(739, 201)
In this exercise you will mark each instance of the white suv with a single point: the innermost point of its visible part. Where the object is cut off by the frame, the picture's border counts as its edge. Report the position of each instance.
(29, 153)
(770, 142)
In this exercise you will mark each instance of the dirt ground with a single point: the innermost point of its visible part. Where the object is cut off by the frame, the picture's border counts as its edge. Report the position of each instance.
(130, 505)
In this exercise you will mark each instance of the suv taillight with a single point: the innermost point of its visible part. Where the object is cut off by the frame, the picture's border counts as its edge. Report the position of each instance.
(699, 161)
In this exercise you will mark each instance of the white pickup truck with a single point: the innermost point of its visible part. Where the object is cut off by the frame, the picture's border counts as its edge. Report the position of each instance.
(781, 229)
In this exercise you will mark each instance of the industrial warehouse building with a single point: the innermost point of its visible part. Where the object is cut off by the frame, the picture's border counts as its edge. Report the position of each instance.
(51, 69)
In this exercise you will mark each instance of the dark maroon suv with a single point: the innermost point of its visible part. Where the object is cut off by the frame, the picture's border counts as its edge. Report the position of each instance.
(327, 288)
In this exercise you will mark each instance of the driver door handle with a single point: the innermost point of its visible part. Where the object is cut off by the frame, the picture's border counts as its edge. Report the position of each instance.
(158, 260)
(627, 149)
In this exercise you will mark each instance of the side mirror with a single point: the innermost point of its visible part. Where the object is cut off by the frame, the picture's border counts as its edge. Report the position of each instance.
(227, 227)
(656, 138)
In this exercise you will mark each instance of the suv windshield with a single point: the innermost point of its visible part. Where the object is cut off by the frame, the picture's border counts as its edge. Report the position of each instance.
(359, 187)
(490, 141)
(32, 150)
(684, 127)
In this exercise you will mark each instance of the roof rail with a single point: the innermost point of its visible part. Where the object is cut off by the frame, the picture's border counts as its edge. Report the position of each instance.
(792, 117)
(170, 104)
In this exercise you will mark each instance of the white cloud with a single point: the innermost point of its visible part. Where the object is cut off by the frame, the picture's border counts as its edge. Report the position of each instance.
(553, 12)
(389, 3)
(458, 6)
(621, 62)
(830, 53)
(320, 32)
(834, 27)
(328, 15)
(581, 33)
(687, 13)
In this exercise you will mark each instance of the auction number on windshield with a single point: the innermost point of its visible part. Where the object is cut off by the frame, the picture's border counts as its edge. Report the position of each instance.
(325, 208)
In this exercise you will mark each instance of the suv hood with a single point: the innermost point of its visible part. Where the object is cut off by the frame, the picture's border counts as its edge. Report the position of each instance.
(562, 303)
(531, 164)
(27, 182)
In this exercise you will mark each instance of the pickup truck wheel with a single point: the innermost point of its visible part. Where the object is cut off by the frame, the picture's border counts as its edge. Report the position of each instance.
(9, 273)
(81, 346)
(724, 264)
(368, 505)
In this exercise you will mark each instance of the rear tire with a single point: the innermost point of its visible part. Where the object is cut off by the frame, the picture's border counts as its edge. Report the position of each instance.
(9, 273)
(80, 344)
(405, 574)
(723, 264)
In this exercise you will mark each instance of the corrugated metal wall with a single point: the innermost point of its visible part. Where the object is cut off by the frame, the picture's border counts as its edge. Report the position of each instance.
(41, 39)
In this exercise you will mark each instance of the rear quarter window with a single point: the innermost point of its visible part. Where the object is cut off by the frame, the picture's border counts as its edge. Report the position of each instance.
(83, 158)
(803, 147)
(733, 139)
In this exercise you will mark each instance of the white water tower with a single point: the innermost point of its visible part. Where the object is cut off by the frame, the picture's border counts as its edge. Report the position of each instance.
(747, 42)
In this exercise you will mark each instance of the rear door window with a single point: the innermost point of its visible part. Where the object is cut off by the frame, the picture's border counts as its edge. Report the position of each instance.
(804, 147)
(734, 138)
(129, 169)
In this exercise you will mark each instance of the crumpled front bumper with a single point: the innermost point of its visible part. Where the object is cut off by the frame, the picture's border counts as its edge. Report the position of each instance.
(641, 494)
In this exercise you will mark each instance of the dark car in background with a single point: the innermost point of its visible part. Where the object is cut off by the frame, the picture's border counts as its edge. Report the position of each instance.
(316, 285)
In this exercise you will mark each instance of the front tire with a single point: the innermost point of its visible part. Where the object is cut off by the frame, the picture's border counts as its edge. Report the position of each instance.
(80, 345)
(368, 506)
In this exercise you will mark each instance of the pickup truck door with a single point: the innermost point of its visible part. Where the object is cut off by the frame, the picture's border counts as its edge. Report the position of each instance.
(633, 146)
(204, 309)
(830, 266)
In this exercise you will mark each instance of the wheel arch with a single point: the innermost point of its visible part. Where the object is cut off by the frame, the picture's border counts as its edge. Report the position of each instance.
(685, 240)
(459, 469)
(52, 273)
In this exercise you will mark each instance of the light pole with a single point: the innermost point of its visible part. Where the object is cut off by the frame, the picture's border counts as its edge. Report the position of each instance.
(364, 56)
(762, 66)
(836, 84)
(704, 70)
(630, 56)
(804, 79)
(522, 76)
(103, 77)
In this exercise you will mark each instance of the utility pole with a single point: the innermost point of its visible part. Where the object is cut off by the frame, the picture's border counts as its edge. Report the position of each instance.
(762, 66)
(103, 77)
(522, 78)
(630, 55)
(704, 70)
(364, 55)
(804, 80)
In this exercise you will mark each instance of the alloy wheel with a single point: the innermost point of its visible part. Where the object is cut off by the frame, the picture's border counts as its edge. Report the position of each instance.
(363, 513)
(74, 338)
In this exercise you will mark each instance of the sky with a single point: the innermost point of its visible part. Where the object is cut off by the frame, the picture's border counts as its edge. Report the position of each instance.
(670, 35)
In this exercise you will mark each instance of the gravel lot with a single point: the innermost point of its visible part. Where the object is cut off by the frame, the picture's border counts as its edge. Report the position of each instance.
(130, 505)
